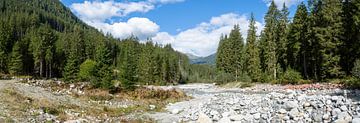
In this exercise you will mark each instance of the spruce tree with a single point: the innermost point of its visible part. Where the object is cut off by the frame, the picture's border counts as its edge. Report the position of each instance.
(328, 32)
(281, 40)
(269, 38)
(16, 60)
(252, 51)
(298, 45)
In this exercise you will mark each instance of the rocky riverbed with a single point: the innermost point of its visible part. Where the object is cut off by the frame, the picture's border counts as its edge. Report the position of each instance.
(264, 103)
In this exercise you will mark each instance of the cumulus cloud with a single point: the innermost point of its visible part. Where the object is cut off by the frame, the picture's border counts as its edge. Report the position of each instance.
(140, 27)
(280, 3)
(165, 1)
(97, 11)
(203, 39)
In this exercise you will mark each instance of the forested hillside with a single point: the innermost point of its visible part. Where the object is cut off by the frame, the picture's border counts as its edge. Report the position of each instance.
(42, 38)
(320, 42)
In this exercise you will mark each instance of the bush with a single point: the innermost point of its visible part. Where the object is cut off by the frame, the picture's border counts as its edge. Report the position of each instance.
(356, 69)
(244, 77)
(290, 76)
(354, 82)
(87, 70)
(223, 77)
(264, 78)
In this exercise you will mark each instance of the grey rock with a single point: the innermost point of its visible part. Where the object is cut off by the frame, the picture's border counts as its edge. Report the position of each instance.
(203, 118)
(236, 117)
(307, 104)
(282, 111)
(294, 113)
(256, 116)
(355, 120)
(343, 108)
(224, 120)
(152, 107)
(334, 98)
(264, 116)
(290, 105)
(335, 112)
(328, 102)
(326, 117)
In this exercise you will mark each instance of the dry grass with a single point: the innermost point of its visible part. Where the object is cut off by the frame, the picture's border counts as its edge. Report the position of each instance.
(238, 85)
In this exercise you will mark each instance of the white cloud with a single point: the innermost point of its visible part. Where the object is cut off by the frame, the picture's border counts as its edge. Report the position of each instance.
(100, 11)
(140, 27)
(203, 39)
(280, 3)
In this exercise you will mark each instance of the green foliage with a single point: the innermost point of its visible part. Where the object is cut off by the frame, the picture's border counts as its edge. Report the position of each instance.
(290, 76)
(16, 64)
(87, 70)
(252, 52)
(222, 78)
(269, 39)
(201, 73)
(356, 69)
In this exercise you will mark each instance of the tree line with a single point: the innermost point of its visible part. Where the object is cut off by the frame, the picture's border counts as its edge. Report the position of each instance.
(320, 42)
(45, 40)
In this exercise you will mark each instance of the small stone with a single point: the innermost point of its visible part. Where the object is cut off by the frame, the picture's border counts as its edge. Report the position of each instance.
(307, 104)
(152, 107)
(286, 118)
(335, 112)
(317, 117)
(291, 104)
(175, 111)
(256, 116)
(224, 120)
(203, 118)
(328, 102)
(334, 98)
(236, 117)
(282, 111)
(343, 108)
(294, 113)
(356, 120)
(326, 117)
(264, 116)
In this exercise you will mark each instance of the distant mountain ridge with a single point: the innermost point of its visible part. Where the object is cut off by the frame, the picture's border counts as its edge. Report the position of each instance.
(202, 60)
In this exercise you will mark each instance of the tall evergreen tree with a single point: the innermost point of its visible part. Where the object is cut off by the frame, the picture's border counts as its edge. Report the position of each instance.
(298, 45)
(281, 40)
(16, 60)
(351, 38)
(252, 51)
(269, 38)
(237, 52)
(328, 32)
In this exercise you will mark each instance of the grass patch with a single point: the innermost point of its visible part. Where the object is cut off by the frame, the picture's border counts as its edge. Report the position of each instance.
(238, 85)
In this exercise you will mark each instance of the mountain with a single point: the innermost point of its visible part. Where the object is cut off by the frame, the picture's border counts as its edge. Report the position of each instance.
(191, 56)
(204, 60)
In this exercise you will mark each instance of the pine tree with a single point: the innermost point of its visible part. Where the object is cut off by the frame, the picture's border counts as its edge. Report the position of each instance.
(103, 70)
(220, 57)
(269, 38)
(281, 40)
(16, 60)
(298, 45)
(328, 33)
(351, 44)
(252, 51)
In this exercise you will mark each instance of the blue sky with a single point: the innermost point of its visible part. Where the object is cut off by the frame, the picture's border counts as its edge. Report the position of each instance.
(191, 26)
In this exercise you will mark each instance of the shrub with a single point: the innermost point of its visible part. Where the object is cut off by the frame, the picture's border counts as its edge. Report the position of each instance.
(356, 69)
(264, 78)
(87, 70)
(244, 77)
(354, 82)
(223, 77)
(290, 76)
